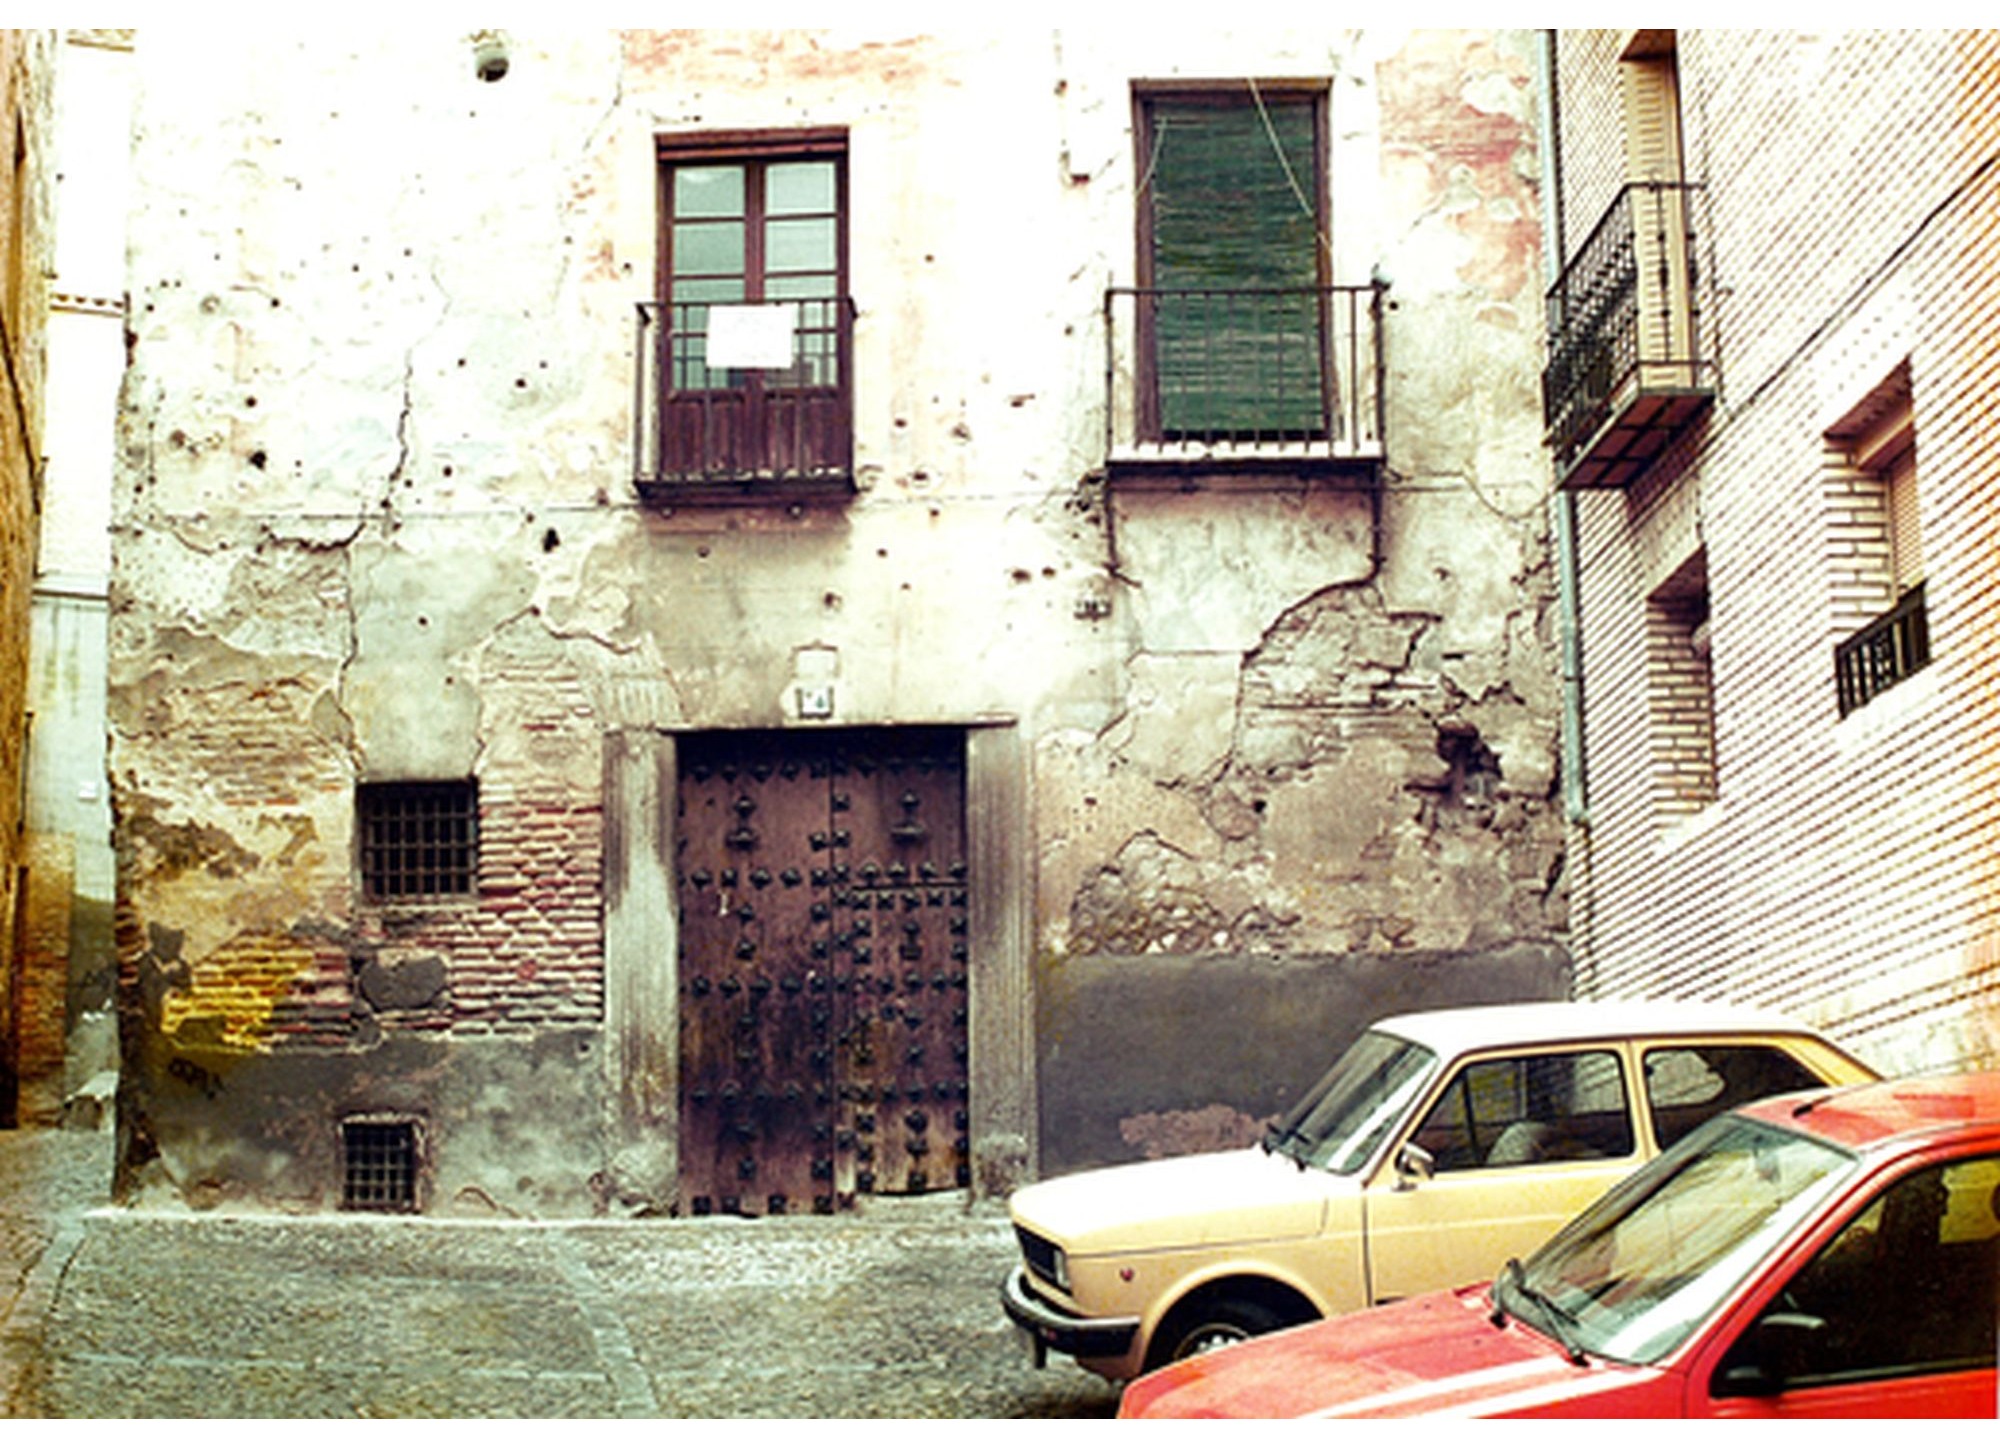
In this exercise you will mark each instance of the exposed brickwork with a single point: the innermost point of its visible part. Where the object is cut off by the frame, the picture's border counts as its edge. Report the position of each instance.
(374, 522)
(521, 954)
(1846, 868)
(43, 997)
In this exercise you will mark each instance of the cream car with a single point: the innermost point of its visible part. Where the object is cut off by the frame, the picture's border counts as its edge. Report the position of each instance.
(1440, 1145)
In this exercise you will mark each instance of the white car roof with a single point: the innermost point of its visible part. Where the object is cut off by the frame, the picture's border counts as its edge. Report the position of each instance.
(1542, 1022)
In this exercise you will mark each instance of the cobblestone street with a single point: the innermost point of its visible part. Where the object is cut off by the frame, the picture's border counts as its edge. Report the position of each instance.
(890, 1312)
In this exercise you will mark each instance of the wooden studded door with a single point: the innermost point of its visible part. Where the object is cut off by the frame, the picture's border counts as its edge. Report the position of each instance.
(823, 973)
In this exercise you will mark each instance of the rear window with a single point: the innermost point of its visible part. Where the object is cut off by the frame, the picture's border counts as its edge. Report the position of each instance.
(1686, 1085)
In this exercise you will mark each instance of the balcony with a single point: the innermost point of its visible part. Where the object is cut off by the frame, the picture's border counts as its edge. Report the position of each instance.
(1884, 653)
(737, 404)
(1631, 361)
(1205, 380)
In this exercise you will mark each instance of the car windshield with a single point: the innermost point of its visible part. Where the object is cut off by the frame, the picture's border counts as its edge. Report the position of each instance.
(1341, 1121)
(1650, 1260)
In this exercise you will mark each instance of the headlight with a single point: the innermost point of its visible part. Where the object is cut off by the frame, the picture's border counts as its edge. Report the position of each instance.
(1044, 1258)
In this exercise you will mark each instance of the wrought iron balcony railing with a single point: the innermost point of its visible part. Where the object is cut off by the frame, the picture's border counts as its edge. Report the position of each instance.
(1630, 355)
(1883, 653)
(732, 411)
(1209, 376)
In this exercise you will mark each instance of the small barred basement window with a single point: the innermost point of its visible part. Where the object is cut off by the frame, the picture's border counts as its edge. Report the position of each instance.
(419, 841)
(379, 1165)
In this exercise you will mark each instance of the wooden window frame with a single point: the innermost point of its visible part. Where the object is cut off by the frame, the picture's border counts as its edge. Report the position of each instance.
(747, 433)
(750, 148)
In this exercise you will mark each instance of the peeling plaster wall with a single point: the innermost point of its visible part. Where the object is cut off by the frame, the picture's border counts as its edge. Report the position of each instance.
(375, 521)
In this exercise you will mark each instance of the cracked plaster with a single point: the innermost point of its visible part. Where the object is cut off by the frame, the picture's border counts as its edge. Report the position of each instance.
(376, 457)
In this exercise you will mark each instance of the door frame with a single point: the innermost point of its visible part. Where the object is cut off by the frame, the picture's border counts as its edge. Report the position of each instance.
(642, 956)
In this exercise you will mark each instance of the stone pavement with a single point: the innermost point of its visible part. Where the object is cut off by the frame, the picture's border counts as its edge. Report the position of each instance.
(890, 1312)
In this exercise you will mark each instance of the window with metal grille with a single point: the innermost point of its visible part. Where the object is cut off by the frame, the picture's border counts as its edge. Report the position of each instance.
(380, 1166)
(1878, 555)
(419, 841)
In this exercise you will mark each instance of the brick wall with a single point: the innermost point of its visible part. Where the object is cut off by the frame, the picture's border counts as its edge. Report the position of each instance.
(1845, 868)
(520, 954)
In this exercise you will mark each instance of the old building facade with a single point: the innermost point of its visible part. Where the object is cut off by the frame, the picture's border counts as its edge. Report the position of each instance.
(720, 621)
(1769, 398)
(31, 1001)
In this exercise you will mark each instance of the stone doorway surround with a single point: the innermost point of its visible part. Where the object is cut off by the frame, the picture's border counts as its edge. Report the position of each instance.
(642, 952)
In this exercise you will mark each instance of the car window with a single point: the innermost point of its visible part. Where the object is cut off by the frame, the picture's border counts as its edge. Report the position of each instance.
(1906, 1288)
(1559, 1106)
(1340, 1122)
(1685, 1085)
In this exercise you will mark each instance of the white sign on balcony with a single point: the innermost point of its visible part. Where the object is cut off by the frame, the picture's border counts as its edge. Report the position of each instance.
(752, 336)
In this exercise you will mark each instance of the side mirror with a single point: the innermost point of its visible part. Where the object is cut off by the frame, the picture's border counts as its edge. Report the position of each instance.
(1770, 1354)
(1413, 1165)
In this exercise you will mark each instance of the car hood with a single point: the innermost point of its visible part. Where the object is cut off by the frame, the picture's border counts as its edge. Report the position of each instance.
(1213, 1198)
(1435, 1354)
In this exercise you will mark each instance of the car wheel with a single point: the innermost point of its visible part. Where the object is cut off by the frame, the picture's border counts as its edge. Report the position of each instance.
(1218, 1324)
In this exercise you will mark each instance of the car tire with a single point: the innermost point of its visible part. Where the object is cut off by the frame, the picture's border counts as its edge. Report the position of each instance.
(1206, 1326)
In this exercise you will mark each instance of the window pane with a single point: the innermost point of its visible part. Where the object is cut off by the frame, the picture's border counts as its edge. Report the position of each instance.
(799, 245)
(795, 186)
(1685, 1085)
(1909, 1285)
(419, 839)
(1528, 1109)
(708, 191)
(799, 285)
(709, 289)
(708, 247)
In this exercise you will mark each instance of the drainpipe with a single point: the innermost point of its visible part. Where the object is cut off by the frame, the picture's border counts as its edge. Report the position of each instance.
(1563, 528)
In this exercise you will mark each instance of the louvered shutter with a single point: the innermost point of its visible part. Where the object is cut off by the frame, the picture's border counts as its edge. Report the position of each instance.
(1233, 192)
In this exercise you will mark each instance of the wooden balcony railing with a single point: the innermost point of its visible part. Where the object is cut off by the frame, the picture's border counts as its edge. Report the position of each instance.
(707, 427)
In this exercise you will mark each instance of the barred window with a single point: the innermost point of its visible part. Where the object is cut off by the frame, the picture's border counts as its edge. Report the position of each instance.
(419, 841)
(379, 1166)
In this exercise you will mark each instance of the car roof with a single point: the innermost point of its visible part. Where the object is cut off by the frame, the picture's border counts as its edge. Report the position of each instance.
(1865, 1116)
(1542, 1022)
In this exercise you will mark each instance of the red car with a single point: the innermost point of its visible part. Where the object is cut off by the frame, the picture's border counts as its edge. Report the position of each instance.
(1827, 1254)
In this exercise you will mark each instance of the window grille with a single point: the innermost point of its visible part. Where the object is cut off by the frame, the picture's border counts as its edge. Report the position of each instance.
(418, 841)
(1884, 653)
(380, 1166)
(1873, 486)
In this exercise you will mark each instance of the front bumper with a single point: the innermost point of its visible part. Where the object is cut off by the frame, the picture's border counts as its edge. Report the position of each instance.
(1051, 1327)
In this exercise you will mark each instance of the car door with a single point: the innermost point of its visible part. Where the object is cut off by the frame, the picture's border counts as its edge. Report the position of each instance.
(1520, 1142)
(1894, 1317)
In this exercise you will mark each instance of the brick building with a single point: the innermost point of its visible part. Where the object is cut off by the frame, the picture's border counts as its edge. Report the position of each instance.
(721, 621)
(31, 1033)
(1769, 395)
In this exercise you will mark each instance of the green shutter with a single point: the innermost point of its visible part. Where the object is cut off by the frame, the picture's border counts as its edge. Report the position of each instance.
(1233, 190)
